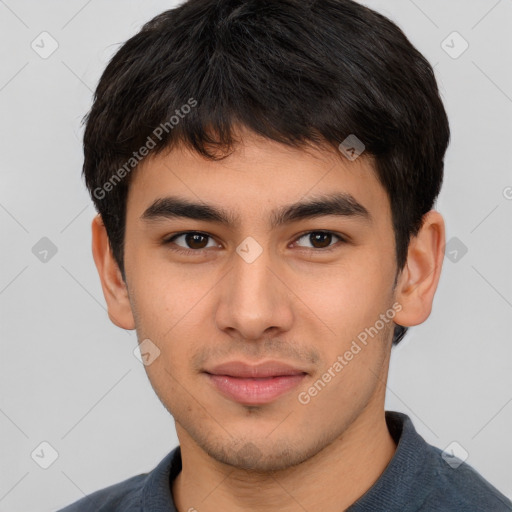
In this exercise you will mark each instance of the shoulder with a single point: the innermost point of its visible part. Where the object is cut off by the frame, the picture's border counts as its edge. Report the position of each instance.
(422, 478)
(461, 488)
(124, 496)
(144, 492)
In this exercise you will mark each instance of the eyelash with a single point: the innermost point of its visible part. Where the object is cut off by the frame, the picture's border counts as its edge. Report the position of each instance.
(187, 252)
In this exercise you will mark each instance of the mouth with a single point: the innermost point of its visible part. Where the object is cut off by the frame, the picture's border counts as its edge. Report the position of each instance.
(255, 385)
(255, 391)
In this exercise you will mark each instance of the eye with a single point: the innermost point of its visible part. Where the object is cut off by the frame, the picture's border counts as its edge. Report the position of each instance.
(194, 242)
(319, 239)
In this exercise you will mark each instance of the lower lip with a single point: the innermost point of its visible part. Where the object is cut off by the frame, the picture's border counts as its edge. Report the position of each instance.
(255, 391)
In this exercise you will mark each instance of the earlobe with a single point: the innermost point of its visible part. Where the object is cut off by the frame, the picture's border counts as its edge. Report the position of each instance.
(419, 279)
(112, 283)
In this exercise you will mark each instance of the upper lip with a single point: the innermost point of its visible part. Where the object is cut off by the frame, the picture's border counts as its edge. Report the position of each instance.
(266, 369)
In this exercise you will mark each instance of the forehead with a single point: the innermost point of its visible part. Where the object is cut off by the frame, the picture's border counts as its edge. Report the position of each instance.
(258, 178)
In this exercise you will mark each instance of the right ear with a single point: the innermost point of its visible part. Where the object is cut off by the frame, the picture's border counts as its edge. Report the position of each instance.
(114, 287)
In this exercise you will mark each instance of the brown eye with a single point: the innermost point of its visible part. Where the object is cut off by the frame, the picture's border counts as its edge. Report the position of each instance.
(191, 241)
(319, 239)
(196, 240)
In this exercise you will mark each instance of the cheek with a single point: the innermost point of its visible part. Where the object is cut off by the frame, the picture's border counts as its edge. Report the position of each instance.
(165, 294)
(163, 320)
(350, 297)
(176, 337)
(355, 346)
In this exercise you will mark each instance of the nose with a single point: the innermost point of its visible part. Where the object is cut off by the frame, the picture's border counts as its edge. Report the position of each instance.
(254, 300)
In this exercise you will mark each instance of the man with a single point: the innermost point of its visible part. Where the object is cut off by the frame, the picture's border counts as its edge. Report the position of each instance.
(264, 173)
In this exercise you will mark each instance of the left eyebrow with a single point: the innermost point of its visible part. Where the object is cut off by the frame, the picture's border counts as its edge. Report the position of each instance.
(340, 204)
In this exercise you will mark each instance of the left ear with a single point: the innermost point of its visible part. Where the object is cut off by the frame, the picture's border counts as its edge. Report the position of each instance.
(419, 278)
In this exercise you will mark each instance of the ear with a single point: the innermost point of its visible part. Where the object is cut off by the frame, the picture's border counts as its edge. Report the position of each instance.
(419, 278)
(114, 287)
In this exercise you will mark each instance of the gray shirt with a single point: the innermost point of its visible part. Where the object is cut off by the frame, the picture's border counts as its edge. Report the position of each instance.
(417, 479)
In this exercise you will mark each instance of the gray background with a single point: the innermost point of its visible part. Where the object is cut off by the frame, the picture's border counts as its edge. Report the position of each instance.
(69, 377)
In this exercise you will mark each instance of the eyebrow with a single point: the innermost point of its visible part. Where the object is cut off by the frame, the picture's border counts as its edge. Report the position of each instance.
(340, 204)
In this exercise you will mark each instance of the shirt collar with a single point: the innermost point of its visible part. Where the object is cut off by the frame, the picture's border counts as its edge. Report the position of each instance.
(395, 488)
(156, 494)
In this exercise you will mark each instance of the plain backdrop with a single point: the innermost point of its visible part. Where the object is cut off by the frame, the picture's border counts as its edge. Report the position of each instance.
(69, 377)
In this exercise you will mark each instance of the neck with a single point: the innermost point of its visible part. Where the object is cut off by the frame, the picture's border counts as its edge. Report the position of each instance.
(331, 480)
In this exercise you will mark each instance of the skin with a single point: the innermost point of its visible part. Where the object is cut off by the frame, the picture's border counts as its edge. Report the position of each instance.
(294, 304)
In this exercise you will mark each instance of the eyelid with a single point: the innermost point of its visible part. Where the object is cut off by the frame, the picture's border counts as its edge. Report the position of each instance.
(341, 239)
(169, 240)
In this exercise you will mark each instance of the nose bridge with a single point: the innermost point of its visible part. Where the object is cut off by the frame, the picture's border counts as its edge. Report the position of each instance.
(253, 299)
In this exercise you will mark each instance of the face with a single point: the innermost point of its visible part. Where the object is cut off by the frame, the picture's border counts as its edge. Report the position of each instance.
(257, 278)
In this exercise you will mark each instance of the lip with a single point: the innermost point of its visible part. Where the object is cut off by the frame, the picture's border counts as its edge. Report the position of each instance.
(266, 369)
(251, 391)
(255, 384)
